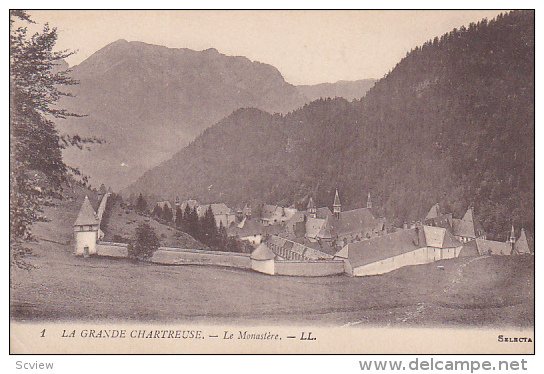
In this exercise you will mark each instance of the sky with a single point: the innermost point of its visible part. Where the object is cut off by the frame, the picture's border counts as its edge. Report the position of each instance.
(307, 47)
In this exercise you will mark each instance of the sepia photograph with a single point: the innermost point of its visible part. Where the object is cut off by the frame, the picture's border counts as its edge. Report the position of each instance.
(272, 181)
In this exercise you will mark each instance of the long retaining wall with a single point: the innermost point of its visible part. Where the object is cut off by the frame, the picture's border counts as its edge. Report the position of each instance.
(177, 256)
(309, 268)
(110, 249)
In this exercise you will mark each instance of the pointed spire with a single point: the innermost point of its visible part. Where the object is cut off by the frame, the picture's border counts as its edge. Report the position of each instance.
(434, 212)
(336, 207)
(469, 215)
(369, 202)
(87, 215)
(311, 204)
(336, 199)
(512, 238)
(311, 208)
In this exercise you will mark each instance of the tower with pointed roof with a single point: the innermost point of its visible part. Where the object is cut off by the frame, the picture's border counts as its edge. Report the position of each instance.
(368, 202)
(521, 246)
(336, 206)
(512, 238)
(311, 209)
(86, 228)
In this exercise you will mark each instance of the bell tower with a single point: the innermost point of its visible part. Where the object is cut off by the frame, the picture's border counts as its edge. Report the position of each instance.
(312, 211)
(336, 206)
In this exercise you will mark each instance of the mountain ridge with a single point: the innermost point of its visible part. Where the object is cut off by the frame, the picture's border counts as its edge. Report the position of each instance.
(440, 127)
(148, 101)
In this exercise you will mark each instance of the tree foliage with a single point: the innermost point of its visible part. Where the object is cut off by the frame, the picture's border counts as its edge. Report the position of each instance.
(37, 170)
(141, 204)
(452, 123)
(144, 244)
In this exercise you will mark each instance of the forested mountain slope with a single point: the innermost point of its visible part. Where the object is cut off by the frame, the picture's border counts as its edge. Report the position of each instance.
(452, 123)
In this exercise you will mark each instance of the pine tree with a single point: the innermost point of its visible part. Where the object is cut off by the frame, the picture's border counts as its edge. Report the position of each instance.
(185, 226)
(193, 224)
(141, 204)
(179, 217)
(37, 170)
(157, 211)
(209, 229)
(167, 213)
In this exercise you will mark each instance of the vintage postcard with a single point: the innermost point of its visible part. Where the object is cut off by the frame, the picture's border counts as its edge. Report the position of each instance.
(272, 181)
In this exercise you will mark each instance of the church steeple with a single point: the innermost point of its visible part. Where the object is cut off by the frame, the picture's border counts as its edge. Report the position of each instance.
(512, 238)
(369, 202)
(336, 206)
(312, 211)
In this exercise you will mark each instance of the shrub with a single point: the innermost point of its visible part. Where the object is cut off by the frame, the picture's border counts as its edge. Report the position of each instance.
(145, 243)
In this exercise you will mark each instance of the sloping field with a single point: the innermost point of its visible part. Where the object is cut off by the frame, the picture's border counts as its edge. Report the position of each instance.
(123, 222)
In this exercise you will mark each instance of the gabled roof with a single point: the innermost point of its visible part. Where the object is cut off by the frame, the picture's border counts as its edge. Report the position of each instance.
(262, 252)
(439, 237)
(314, 251)
(463, 228)
(314, 226)
(323, 212)
(86, 215)
(217, 209)
(268, 211)
(469, 249)
(382, 247)
(444, 221)
(521, 246)
(486, 247)
(356, 220)
(251, 227)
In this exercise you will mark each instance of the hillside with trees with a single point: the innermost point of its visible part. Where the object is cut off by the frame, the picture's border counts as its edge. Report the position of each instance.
(452, 123)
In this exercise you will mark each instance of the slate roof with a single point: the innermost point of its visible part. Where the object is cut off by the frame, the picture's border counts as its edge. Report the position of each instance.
(444, 221)
(314, 252)
(262, 253)
(353, 221)
(217, 209)
(382, 247)
(268, 211)
(86, 215)
(402, 241)
(469, 249)
(486, 247)
(521, 246)
(314, 226)
(323, 212)
(434, 212)
(439, 237)
(251, 227)
(463, 228)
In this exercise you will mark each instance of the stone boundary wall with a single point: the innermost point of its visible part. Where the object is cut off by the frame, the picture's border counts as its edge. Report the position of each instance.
(110, 249)
(178, 256)
(309, 268)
